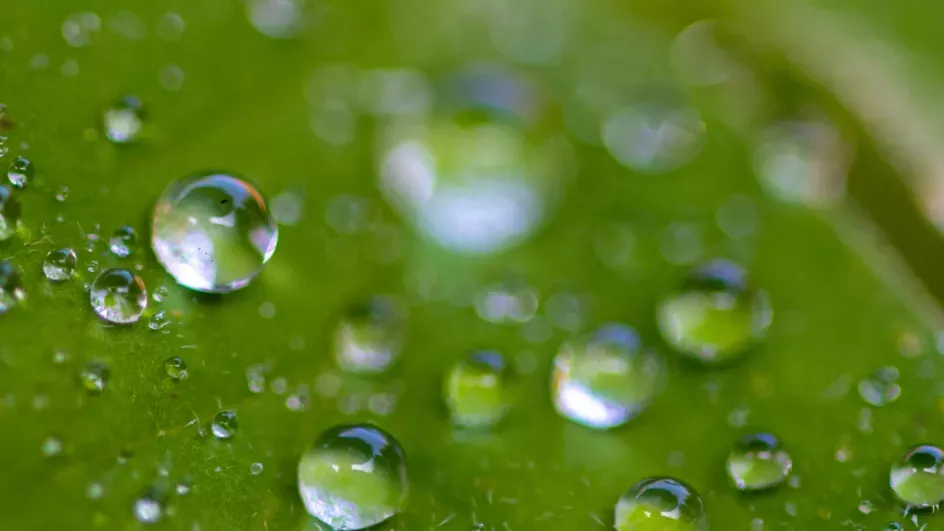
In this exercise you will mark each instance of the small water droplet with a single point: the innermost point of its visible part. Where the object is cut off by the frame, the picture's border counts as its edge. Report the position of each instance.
(476, 390)
(94, 377)
(881, 387)
(176, 368)
(606, 380)
(758, 462)
(368, 337)
(654, 138)
(62, 193)
(917, 479)
(122, 241)
(4, 146)
(661, 503)
(159, 320)
(276, 19)
(59, 265)
(170, 27)
(11, 287)
(52, 446)
(118, 296)
(79, 29)
(94, 490)
(255, 377)
(9, 213)
(160, 293)
(353, 477)
(507, 303)
(171, 77)
(224, 425)
(182, 489)
(124, 121)
(148, 509)
(255, 469)
(20, 172)
(91, 266)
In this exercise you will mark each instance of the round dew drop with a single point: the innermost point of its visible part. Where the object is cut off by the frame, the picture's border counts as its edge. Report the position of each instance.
(124, 120)
(122, 241)
(59, 265)
(9, 213)
(224, 425)
(606, 380)
(660, 504)
(118, 296)
(353, 477)
(368, 337)
(213, 232)
(918, 478)
(758, 462)
(148, 509)
(11, 287)
(94, 377)
(176, 368)
(476, 391)
(20, 172)
(716, 316)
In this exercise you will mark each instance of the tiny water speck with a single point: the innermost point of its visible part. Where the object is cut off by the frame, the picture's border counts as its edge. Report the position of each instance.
(369, 335)
(59, 265)
(255, 469)
(20, 172)
(118, 296)
(476, 390)
(213, 232)
(122, 241)
(917, 479)
(661, 503)
(94, 377)
(176, 368)
(758, 462)
(124, 121)
(9, 213)
(353, 477)
(224, 425)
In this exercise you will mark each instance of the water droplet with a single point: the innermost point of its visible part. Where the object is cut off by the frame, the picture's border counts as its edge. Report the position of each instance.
(697, 58)
(94, 377)
(9, 213)
(881, 387)
(170, 27)
(368, 338)
(94, 490)
(213, 232)
(4, 146)
(59, 265)
(353, 477)
(224, 425)
(606, 380)
(758, 462)
(52, 446)
(124, 120)
(159, 320)
(653, 138)
(62, 193)
(182, 489)
(255, 469)
(91, 266)
(507, 303)
(79, 29)
(148, 509)
(276, 19)
(661, 503)
(20, 172)
(11, 288)
(118, 296)
(476, 390)
(171, 77)
(176, 368)
(918, 478)
(255, 377)
(716, 315)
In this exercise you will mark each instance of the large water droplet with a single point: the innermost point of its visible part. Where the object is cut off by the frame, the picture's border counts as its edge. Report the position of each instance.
(918, 478)
(224, 425)
(118, 296)
(59, 265)
(353, 477)
(368, 338)
(176, 368)
(124, 120)
(758, 462)
(121, 241)
(881, 387)
(716, 315)
(661, 503)
(94, 377)
(606, 380)
(213, 232)
(476, 390)
(20, 172)
(9, 213)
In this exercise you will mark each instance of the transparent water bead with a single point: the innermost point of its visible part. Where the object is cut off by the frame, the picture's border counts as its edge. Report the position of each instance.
(224, 425)
(176, 368)
(148, 509)
(118, 296)
(20, 172)
(11, 287)
(652, 137)
(758, 462)
(476, 390)
(881, 387)
(94, 377)
(213, 232)
(917, 479)
(661, 504)
(716, 315)
(59, 265)
(124, 120)
(369, 336)
(607, 379)
(353, 477)
(122, 241)
(9, 213)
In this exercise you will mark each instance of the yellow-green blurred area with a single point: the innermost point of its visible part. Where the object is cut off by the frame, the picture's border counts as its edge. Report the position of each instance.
(515, 174)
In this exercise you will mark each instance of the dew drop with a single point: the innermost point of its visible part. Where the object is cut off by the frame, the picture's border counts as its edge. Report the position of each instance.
(59, 265)
(118, 296)
(9, 213)
(881, 387)
(4, 146)
(159, 320)
(79, 29)
(353, 477)
(224, 425)
(661, 503)
(917, 479)
(94, 490)
(476, 390)
(758, 462)
(255, 469)
(368, 337)
(716, 315)
(52, 446)
(11, 287)
(213, 232)
(94, 377)
(507, 303)
(148, 509)
(654, 138)
(176, 368)
(124, 120)
(20, 172)
(276, 19)
(606, 380)
(122, 241)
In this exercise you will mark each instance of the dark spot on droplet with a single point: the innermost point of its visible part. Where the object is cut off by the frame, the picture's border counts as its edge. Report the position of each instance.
(224, 201)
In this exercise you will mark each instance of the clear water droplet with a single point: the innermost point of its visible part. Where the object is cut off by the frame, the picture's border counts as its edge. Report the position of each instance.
(368, 337)
(94, 377)
(716, 315)
(661, 503)
(118, 296)
(881, 387)
(79, 29)
(20, 172)
(353, 477)
(917, 479)
(122, 241)
(124, 121)
(213, 232)
(758, 462)
(11, 287)
(476, 390)
(605, 380)
(148, 509)
(224, 425)
(59, 265)
(160, 293)
(9, 213)
(654, 138)
(159, 320)
(893, 526)
(276, 19)
(62, 193)
(176, 368)
(507, 303)
(52, 446)
(91, 266)
(255, 469)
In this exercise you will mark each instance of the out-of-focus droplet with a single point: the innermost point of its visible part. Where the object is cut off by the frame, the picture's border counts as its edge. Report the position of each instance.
(171, 77)
(176, 368)
(20, 172)
(59, 265)
(353, 477)
(917, 479)
(507, 303)
(11, 287)
(122, 241)
(696, 57)
(369, 336)
(716, 315)
(661, 503)
(606, 380)
(124, 121)
(758, 462)
(4, 145)
(213, 232)
(148, 509)
(62, 193)
(52, 446)
(276, 19)
(94, 377)
(9, 213)
(79, 29)
(476, 390)
(224, 425)
(171, 26)
(255, 469)
(118, 296)
(654, 138)
(881, 387)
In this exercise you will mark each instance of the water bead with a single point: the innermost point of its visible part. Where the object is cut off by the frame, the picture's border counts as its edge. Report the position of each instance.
(124, 120)
(353, 477)
(176, 368)
(118, 296)
(11, 287)
(224, 425)
(159, 320)
(369, 336)
(918, 478)
(660, 504)
(121, 241)
(148, 509)
(20, 172)
(59, 265)
(605, 380)
(716, 315)
(654, 138)
(213, 232)
(94, 377)
(758, 462)
(881, 387)
(476, 392)
(9, 213)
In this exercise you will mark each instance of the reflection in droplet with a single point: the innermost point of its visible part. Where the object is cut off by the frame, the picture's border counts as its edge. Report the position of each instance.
(369, 336)
(653, 138)
(118, 296)
(20, 172)
(94, 377)
(918, 478)
(661, 503)
(507, 303)
(148, 509)
(59, 265)
(176, 368)
(758, 462)
(224, 425)
(11, 287)
(476, 390)
(124, 120)
(122, 241)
